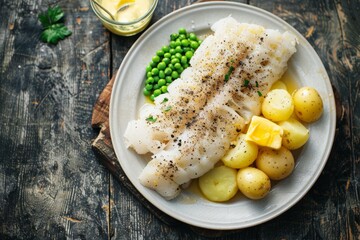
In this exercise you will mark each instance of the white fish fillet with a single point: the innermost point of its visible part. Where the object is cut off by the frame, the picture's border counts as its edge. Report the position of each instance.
(206, 111)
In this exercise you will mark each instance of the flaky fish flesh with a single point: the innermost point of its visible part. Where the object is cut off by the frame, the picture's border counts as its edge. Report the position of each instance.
(213, 100)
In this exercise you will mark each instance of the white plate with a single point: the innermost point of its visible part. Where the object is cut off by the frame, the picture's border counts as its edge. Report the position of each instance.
(190, 207)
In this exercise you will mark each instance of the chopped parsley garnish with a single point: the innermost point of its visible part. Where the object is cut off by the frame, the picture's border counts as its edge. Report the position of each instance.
(151, 119)
(259, 93)
(53, 28)
(256, 84)
(246, 83)
(227, 75)
(165, 100)
(168, 108)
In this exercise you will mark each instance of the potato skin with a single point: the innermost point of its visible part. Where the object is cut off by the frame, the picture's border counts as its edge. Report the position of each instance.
(242, 155)
(277, 105)
(276, 163)
(253, 183)
(219, 184)
(308, 105)
(295, 134)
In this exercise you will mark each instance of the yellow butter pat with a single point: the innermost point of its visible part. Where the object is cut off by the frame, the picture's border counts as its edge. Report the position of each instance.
(264, 132)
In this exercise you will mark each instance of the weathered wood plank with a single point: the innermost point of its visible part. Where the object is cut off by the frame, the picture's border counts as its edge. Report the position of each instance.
(51, 184)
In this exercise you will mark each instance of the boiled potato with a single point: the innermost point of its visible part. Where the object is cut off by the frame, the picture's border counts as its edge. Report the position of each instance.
(277, 105)
(308, 104)
(275, 163)
(253, 183)
(295, 134)
(242, 155)
(219, 184)
(279, 85)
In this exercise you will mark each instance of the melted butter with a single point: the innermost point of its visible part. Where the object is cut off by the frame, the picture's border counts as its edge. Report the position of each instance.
(135, 10)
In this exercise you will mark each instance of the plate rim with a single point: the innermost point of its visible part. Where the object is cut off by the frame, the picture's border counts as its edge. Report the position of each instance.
(308, 46)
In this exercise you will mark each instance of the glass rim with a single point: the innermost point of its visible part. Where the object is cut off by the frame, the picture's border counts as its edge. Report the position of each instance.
(108, 20)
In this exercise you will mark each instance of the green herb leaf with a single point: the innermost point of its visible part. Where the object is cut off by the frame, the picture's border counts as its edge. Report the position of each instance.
(55, 33)
(256, 84)
(151, 119)
(53, 30)
(51, 16)
(246, 83)
(259, 93)
(165, 100)
(168, 108)
(227, 76)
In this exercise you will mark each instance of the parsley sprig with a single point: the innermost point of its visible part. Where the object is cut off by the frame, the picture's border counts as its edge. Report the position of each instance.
(53, 28)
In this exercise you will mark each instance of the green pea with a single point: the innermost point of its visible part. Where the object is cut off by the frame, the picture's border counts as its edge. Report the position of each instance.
(168, 71)
(157, 92)
(149, 80)
(183, 60)
(172, 51)
(178, 55)
(186, 49)
(156, 86)
(185, 43)
(172, 56)
(174, 36)
(160, 53)
(172, 44)
(199, 42)
(153, 64)
(166, 61)
(167, 55)
(180, 70)
(177, 43)
(161, 66)
(189, 54)
(156, 59)
(165, 49)
(156, 78)
(177, 65)
(171, 66)
(149, 87)
(146, 92)
(174, 75)
(155, 71)
(168, 79)
(164, 89)
(182, 36)
(149, 74)
(194, 45)
(161, 74)
(186, 65)
(175, 60)
(152, 97)
(182, 31)
(161, 82)
(192, 37)
(148, 68)
(178, 49)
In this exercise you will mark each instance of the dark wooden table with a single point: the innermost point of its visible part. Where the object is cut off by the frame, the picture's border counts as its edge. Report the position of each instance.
(52, 186)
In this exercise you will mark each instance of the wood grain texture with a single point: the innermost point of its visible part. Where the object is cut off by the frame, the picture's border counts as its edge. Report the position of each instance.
(52, 185)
